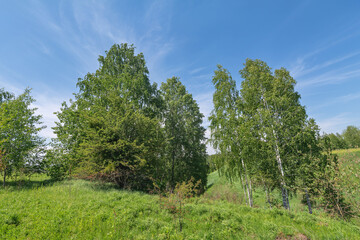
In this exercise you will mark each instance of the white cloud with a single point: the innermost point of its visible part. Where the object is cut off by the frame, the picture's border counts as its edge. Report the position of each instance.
(46, 106)
(197, 70)
(45, 103)
(349, 97)
(337, 123)
(338, 100)
(209, 149)
(83, 33)
(303, 65)
(205, 103)
(5, 83)
(300, 69)
(332, 77)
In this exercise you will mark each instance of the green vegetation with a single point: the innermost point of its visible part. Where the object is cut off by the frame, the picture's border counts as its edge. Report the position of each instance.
(79, 209)
(122, 133)
(185, 151)
(264, 138)
(349, 179)
(348, 182)
(122, 129)
(350, 138)
(19, 140)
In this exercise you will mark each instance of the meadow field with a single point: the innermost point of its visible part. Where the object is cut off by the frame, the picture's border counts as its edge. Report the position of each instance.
(79, 209)
(349, 182)
(179, 120)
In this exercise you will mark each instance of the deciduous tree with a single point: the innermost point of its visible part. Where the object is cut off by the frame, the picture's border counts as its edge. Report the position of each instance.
(185, 151)
(112, 127)
(19, 128)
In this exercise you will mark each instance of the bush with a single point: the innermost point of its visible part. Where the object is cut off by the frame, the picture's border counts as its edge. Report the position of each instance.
(56, 166)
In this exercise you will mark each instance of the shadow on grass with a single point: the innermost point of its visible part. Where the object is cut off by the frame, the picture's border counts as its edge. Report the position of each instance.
(96, 185)
(102, 186)
(209, 186)
(13, 185)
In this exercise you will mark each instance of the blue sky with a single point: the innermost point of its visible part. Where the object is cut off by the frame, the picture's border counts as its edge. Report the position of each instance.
(48, 45)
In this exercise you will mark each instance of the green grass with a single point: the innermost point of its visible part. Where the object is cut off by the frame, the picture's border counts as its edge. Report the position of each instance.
(221, 189)
(349, 182)
(77, 209)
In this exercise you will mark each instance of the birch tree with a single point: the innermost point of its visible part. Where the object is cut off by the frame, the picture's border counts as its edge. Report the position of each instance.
(227, 130)
(185, 151)
(270, 99)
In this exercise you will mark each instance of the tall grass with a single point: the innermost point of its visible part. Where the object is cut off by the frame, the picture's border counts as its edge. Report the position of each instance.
(349, 181)
(79, 209)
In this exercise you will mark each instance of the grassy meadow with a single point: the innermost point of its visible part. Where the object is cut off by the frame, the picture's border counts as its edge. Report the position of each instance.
(76, 209)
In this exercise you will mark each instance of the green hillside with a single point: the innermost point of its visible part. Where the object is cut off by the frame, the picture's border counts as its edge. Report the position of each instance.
(79, 209)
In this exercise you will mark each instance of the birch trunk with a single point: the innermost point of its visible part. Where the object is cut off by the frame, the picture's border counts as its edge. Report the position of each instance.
(278, 159)
(244, 188)
(247, 184)
(283, 184)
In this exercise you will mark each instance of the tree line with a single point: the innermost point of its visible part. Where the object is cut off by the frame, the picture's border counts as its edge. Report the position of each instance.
(349, 138)
(121, 128)
(263, 137)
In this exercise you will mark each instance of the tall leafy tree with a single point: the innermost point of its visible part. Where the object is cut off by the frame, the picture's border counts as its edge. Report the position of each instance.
(112, 126)
(308, 161)
(19, 128)
(352, 136)
(271, 99)
(226, 125)
(337, 141)
(185, 151)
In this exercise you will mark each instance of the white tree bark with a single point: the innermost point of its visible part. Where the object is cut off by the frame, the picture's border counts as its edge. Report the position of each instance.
(244, 188)
(247, 184)
(278, 159)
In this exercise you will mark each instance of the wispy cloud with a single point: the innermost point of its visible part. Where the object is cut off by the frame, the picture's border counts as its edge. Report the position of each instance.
(300, 70)
(304, 64)
(331, 77)
(5, 83)
(204, 76)
(337, 123)
(84, 30)
(349, 97)
(337, 101)
(197, 70)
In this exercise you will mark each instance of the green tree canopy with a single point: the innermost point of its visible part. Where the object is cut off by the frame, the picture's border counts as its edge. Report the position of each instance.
(19, 128)
(352, 136)
(112, 127)
(185, 150)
